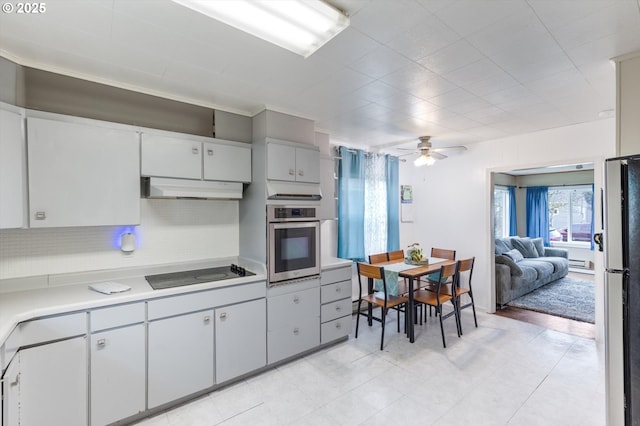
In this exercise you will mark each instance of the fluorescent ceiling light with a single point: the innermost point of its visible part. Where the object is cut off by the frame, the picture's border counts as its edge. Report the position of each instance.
(301, 26)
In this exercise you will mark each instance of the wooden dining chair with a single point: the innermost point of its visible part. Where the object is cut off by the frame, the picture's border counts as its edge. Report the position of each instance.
(378, 298)
(396, 255)
(378, 257)
(440, 296)
(463, 286)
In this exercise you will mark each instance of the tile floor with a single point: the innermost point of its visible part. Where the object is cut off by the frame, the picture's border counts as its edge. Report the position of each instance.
(505, 372)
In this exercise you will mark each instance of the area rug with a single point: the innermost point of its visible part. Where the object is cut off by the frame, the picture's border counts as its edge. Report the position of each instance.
(567, 297)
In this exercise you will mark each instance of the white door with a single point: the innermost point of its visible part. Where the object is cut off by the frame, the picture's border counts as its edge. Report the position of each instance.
(281, 162)
(12, 171)
(180, 358)
(165, 156)
(307, 165)
(241, 339)
(82, 175)
(53, 384)
(226, 162)
(117, 374)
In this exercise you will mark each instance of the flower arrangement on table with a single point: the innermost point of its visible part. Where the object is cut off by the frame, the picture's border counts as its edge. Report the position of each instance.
(415, 255)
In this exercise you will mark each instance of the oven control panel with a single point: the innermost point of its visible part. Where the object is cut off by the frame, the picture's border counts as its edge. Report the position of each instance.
(287, 213)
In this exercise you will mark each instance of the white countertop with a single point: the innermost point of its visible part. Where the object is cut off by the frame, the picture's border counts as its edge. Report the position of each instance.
(334, 262)
(18, 306)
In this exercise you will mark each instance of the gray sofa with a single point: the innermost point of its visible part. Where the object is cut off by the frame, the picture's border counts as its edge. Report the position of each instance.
(524, 264)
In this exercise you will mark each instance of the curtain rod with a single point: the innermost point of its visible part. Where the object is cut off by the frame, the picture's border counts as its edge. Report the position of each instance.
(552, 186)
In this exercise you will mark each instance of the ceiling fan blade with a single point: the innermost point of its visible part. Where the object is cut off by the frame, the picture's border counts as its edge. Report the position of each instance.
(458, 148)
(437, 155)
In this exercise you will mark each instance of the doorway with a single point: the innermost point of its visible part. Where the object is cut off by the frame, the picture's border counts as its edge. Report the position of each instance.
(570, 195)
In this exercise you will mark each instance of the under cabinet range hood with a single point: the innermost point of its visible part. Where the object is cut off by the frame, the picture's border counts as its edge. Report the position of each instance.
(280, 190)
(190, 189)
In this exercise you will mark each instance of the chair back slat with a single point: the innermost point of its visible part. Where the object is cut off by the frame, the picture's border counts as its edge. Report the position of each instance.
(447, 271)
(371, 271)
(396, 255)
(443, 253)
(377, 258)
(466, 264)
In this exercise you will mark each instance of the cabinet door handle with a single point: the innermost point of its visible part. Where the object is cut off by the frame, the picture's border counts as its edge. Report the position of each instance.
(296, 299)
(41, 215)
(338, 308)
(101, 343)
(338, 325)
(195, 150)
(296, 331)
(207, 319)
(210, 152)
(338, 289)
(16, 381)
(300, 172)
(223, 316)
(292, 172)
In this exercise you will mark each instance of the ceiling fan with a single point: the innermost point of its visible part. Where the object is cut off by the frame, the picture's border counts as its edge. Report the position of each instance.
(428, 154)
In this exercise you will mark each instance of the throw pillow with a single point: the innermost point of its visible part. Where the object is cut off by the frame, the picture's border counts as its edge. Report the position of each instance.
(538, 243)
(514, 255)
(515, 269)
(502, 246)
(525, 246)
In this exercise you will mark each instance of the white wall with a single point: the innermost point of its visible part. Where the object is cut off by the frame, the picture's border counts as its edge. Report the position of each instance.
(170, 231)
(453, 196)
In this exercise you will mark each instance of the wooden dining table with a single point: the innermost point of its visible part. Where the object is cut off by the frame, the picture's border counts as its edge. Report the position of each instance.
(412, 275)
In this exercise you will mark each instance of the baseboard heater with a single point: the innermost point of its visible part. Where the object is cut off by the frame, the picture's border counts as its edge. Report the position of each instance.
(580, 263)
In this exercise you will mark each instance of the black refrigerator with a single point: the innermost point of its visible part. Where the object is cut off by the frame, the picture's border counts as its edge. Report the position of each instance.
(622, 289)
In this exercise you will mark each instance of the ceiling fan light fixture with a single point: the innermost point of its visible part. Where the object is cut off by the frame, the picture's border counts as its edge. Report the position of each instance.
(299, 26)
(424, 160)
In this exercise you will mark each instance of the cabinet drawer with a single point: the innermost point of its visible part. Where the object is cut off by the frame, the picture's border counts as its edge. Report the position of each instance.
(293, 339)
(53, 328)
(335, 275)
(335, 329)
(285, 310)
(334, 310)
(336, 291)
(201, 300)
(116, 316)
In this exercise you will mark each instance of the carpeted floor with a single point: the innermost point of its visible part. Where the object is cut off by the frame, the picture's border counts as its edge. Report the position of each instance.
(567, 297)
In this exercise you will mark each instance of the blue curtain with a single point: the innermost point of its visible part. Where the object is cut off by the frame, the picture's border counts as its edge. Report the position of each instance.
(393, 203)
(513, 220)
(351, 204)
(593, 197)
(538, 213)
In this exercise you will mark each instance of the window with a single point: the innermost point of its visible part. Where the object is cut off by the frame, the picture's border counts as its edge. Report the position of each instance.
(501, 211)
(570, 214)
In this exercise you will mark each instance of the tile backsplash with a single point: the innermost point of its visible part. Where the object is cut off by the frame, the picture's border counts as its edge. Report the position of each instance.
(170, 231)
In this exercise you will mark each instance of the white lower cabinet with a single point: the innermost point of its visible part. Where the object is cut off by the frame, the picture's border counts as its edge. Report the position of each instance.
(11, 394)
(293, 321)
(241, 339)
(48, 385)
(180, 359)
(117, 374)
(335, 296)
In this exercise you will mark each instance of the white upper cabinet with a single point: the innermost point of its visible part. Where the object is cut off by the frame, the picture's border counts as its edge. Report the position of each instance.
(167, 156)
(291, 163)
(195, 157)
(226, 162)
(82, 173)
(12, 169)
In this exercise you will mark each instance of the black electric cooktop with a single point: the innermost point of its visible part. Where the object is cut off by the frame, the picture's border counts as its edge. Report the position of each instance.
(197, 276)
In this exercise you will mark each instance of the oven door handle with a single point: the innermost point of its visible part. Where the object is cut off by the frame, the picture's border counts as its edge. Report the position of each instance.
(289, 225)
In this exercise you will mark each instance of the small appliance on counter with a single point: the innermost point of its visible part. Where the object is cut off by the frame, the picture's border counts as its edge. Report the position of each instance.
(196, 276)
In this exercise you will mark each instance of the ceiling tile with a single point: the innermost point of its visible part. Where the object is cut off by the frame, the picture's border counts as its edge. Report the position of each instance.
(384, 20)
(469, 16)
(452, 57)
(380, 62)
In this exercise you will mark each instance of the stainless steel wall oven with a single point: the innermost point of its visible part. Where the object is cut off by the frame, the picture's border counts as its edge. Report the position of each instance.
(293, 243)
